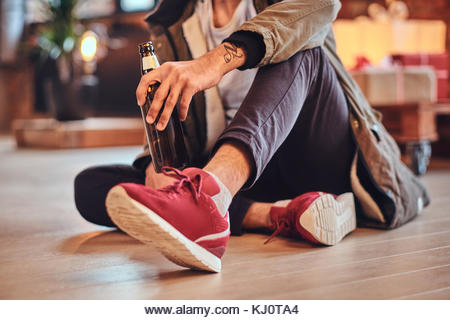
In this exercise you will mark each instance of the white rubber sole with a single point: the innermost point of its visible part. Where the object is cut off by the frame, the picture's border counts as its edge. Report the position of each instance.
(145, 225)
(328, 219)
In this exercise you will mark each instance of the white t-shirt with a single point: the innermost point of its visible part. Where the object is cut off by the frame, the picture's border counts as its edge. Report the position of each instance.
(235, 84)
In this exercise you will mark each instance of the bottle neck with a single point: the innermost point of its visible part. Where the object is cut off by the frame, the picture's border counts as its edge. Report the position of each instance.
(149, 61)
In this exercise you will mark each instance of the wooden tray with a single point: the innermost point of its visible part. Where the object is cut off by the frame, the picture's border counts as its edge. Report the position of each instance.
(88, 133)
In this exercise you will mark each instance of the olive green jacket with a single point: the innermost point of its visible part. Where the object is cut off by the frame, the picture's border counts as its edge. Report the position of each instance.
(387, 192)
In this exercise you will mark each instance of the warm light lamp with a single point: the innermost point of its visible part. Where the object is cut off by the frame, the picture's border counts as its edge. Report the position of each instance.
(88, 46)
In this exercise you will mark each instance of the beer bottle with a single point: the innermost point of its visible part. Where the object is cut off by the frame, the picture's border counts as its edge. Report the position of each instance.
(167, 147)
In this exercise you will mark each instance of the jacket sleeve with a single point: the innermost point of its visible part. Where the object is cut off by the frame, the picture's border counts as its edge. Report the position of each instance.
(292, 25)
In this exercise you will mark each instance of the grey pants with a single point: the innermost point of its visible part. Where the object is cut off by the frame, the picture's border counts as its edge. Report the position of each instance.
(294, 123)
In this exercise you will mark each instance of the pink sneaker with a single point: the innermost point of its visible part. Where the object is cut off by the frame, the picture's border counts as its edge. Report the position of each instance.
(320, 218)
(187, 221)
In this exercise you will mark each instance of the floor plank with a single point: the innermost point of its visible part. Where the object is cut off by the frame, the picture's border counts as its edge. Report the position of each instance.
(438, 294)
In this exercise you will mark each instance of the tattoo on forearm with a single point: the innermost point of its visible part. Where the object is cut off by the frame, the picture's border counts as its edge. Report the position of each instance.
(232, 52)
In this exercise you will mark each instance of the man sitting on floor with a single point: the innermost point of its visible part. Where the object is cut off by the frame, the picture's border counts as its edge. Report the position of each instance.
(291, 142)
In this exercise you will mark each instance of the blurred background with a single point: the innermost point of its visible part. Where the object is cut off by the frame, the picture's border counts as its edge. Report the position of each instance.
(69, 69)
(41, 50)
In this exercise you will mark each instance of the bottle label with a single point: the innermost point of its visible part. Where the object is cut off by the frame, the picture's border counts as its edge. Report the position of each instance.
(149, 62)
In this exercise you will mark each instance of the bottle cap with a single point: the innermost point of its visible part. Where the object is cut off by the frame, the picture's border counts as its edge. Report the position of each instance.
(146, 47)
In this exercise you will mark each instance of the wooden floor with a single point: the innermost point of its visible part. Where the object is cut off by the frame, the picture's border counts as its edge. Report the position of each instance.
(48, 252)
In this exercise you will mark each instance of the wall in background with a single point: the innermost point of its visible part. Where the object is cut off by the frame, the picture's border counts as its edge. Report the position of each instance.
(11, 23)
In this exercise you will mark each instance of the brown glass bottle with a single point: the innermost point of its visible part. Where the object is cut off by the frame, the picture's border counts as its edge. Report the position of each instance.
(167, 147)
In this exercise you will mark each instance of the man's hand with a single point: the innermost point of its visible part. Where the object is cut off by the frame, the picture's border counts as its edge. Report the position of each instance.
(182, 79)
(156, 180)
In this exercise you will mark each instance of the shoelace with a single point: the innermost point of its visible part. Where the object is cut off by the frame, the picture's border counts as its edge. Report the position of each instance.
(194, 184)
(282, 224)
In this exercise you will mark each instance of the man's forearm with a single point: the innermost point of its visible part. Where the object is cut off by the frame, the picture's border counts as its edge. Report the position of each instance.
(225, 57)
(180, 80)
(253, 44)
